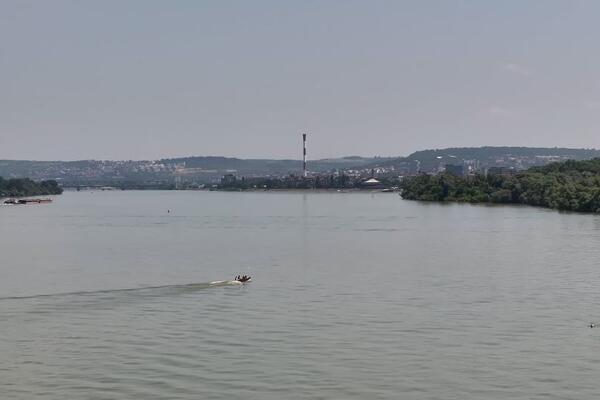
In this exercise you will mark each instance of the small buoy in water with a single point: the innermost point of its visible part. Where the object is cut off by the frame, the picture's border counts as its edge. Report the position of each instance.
(592, 325)
(168, 211)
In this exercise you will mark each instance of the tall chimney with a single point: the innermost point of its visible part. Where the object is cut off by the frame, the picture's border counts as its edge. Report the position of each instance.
(304, 154)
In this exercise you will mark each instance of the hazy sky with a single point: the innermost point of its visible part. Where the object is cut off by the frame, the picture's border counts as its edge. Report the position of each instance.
(149, 79)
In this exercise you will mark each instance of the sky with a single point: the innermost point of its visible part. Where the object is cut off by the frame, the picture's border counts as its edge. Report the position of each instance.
(125, 79)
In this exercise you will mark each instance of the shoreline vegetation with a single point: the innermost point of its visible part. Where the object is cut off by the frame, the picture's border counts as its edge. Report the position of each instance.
(25, 187)
(319, 182)
(567, 186)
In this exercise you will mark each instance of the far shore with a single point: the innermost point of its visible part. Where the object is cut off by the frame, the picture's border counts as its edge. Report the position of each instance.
(316, 190)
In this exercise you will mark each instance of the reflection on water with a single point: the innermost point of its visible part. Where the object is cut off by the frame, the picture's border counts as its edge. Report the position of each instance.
(353, 296)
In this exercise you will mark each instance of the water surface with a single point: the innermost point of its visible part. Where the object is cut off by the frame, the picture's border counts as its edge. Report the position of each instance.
(106, 295)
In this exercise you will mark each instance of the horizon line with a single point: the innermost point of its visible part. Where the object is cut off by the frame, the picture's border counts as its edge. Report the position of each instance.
(299, 159)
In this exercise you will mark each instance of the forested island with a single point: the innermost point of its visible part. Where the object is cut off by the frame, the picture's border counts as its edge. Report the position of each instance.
(27, 187)
(570, 185)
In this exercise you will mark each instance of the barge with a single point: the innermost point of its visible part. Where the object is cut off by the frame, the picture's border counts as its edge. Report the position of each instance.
(26, 201)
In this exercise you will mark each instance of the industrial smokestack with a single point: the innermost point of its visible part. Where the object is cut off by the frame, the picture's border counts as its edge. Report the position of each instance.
(304, 154)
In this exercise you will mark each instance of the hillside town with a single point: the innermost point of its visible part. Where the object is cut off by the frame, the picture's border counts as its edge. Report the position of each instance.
(242, 174)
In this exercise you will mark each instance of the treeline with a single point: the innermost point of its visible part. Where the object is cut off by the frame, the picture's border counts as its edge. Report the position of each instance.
(570, 185)
(27, 187)
(298, 182)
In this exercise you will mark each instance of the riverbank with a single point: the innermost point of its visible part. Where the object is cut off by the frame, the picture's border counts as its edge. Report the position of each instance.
(25, 187)
(568, 186)
(308, 190)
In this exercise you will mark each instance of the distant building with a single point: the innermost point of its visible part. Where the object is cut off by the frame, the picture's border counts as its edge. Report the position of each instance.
(501, 171)
(371, 184)
(470, 167)
(228, 179)
(457, 170)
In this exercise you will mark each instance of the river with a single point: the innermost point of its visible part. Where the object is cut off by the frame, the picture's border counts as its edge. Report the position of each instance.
(107, 295)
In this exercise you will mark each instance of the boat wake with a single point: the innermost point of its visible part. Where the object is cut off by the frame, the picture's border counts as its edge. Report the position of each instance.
(226, 283)
(149, 289)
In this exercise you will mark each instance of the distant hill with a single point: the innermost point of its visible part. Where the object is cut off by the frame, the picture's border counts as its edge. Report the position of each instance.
(197, 169)
(486, 153)
(158, 173)
(519, 158)
(270, 167)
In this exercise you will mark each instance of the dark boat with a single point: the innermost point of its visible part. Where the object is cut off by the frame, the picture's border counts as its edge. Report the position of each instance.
(243, 279)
